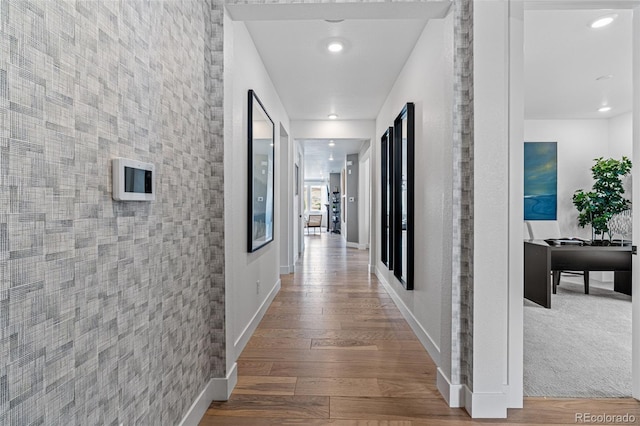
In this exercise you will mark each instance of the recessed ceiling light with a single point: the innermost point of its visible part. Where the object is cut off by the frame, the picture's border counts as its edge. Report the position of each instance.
(332, 116)
(334, 21)
(603, 21)
(604, 109)
(335, 47)
(332, 143)
(605, 77)
(331, 158)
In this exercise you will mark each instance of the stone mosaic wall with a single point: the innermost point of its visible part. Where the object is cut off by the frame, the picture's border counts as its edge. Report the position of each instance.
(462, 265)
(110, 312)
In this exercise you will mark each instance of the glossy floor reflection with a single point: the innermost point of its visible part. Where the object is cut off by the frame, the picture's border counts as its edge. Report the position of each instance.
(334, 349)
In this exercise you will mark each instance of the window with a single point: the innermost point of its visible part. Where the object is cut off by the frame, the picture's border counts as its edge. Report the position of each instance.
(314, 197)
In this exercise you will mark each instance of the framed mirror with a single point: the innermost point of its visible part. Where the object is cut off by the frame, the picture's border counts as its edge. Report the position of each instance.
(403, 195)
(261, 175)
(386, 252)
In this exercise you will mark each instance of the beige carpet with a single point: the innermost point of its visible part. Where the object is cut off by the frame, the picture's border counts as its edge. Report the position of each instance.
(581, 347)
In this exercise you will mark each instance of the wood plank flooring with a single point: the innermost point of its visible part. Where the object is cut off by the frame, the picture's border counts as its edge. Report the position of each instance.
(334, 349)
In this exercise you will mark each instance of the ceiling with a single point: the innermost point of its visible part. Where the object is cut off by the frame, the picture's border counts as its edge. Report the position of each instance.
(313, 82)
(564, 57)
(317, 153)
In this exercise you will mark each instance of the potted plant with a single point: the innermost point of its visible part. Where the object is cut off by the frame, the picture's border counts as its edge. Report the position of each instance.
(605, 199)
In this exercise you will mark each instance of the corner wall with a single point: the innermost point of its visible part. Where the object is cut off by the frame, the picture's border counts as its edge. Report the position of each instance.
(252, 279)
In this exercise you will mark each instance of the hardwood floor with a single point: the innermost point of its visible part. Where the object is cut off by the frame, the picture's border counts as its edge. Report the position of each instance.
(334, 349)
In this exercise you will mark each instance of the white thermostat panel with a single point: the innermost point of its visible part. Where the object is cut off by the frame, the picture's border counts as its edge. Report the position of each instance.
(133, 180)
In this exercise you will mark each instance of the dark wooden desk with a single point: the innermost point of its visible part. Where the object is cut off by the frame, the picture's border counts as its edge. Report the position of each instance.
(541, 259)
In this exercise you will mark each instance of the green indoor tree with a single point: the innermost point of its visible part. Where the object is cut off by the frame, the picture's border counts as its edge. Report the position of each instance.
(605, 199)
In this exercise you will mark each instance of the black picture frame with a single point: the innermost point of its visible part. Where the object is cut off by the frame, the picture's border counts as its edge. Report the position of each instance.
(386, 214)
(261, 172)
(404, 195)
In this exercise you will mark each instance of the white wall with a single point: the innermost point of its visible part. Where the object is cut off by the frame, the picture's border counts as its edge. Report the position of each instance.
(332, 129)
(298, 205)
(364, 199)
(579, 143)
(245, 302)
(621, 136)
(287, 198)
(425, 80)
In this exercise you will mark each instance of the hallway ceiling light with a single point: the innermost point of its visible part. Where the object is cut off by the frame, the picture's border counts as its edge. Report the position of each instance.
(335, 47)
(605, 77)
(334, 21)
(604, 109)
(332, 143)
(332, 116)
(603, 21)
(331, 157)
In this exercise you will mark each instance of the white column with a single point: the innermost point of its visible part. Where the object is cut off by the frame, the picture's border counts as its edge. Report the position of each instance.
(487, 397)
(516, 213)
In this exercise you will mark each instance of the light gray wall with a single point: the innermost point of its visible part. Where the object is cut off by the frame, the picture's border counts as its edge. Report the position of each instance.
(252, 279)
(351, 203)
(427, 79)
(110, 312)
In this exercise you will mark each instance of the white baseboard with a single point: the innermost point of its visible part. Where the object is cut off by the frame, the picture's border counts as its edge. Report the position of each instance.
(357, 245)
(453, 394)
(246, 334)
(485, 405)
(372, 269)
(218, 389)
(421, 333)
(287, 269)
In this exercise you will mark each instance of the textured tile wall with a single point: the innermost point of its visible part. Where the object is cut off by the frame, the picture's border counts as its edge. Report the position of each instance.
(110, 312)
(462, 262)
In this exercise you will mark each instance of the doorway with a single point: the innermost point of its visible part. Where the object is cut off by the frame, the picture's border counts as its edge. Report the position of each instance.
(618, 129)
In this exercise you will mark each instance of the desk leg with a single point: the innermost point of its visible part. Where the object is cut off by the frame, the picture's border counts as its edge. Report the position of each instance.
(622, 282)
(556, 280)
(537, 274)
(586, 282)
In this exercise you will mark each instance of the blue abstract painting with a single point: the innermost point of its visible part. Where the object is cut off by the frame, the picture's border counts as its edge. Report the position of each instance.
(540, 181)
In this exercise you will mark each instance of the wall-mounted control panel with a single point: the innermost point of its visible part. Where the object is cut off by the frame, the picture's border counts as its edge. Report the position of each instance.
(133, 180)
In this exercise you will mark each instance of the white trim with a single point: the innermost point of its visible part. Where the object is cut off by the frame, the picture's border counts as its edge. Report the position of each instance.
(357, 245)
(453, 394)
(246, 334)
(421, 333)
(515, 308)
(287, 269)
(372, 269)
(485, 405)
(635, 303)
(218, 389)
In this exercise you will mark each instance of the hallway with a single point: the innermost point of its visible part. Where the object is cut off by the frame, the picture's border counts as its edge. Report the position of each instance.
(333, 347)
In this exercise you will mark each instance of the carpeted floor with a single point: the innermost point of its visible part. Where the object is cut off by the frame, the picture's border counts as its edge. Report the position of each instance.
(581, 347)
